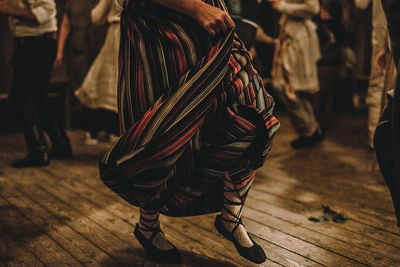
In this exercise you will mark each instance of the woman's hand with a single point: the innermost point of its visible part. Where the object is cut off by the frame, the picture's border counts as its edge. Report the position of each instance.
(212, 19)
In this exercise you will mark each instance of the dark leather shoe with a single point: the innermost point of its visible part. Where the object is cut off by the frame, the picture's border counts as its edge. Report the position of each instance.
(255, 253)
(32, 160)
(165, 256)
(304, 141)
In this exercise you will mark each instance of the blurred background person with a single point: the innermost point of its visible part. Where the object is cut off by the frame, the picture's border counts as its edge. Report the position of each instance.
(83, 39)
(377, 77)
(330, 33)
(98, 92)
(34, 27)
(294, 73)
(79, 43)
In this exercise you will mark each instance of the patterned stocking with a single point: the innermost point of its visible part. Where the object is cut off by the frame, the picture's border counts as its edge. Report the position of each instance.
(149, 222)
(231, 213)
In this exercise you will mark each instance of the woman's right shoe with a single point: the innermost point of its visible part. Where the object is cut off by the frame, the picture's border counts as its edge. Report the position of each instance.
(165, 256)
(255, 253)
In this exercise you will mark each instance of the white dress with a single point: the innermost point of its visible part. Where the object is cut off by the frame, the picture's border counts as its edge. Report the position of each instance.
(99, 88)
(298, 51)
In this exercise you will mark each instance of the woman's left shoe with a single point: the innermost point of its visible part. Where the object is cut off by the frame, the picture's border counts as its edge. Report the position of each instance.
(255, 253)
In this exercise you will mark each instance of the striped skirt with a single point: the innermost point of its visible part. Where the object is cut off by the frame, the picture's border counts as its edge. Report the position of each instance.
(191, 107)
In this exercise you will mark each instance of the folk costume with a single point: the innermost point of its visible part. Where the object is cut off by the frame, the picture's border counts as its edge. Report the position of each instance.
(192, 111)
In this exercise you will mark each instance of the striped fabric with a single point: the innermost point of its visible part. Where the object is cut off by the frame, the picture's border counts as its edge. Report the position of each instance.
(191, 108)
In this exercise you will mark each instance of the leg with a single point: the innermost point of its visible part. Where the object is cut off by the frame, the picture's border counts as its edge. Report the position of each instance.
(60, 144)
(302, 116)
(230, 224)
(374, 102)
(323, 100)
(90, 119)
(33, 62)
(231, 213)
(152, 238)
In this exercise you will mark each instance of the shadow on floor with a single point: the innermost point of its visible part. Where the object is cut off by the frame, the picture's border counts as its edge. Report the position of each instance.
(188, 259)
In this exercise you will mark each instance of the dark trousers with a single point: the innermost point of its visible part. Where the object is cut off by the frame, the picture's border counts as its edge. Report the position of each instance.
(33, 61)
(323, 99)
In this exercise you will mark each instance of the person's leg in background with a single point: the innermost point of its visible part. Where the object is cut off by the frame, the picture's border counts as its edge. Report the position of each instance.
(53, 126)
(91, 121)
(374, 102)
(323, 99)
(302, 116)
(34, 58)
(110, 124)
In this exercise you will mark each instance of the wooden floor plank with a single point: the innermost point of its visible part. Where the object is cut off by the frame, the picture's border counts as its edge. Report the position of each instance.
(192, 249)
(353, 211)
(209, 239)
(13, 252)
(118, 249)
(274, 253)
(67, 201)
(206, 222)
(306, 210)
(324, 241)
(361, 244)
(283, 256)
(314, 209)
(119, 227)
(80, 187)
(331, 183)
(301, 247)
(101, 203)
(54, 225)
(374, 206)
(38, 242)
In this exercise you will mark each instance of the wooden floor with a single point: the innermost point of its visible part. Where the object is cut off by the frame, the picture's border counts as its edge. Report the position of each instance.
(63, 215)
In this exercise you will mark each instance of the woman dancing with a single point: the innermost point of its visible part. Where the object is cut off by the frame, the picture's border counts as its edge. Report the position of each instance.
(195, 119)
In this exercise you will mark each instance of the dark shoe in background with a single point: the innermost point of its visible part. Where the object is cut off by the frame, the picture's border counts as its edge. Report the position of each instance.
(37, 149)
(60, 144)
(305, 141)
(37, 159)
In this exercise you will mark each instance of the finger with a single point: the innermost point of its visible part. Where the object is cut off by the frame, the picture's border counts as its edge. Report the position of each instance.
(210, 30)
(215, 27)
(229, 22)
(222, 26)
